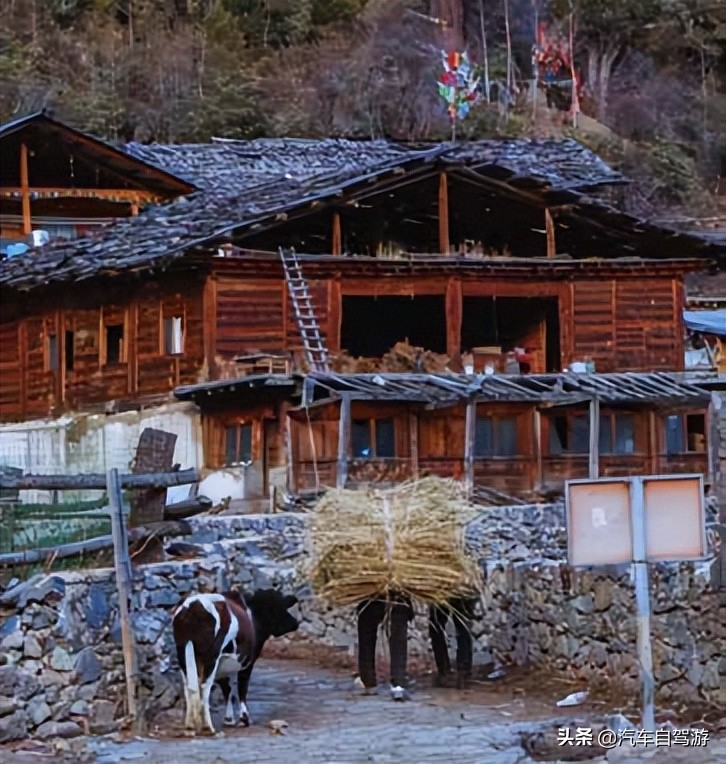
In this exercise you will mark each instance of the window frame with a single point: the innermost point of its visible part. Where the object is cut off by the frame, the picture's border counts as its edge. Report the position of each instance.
(496, 436)
(613, 417)
(683, 417)
(239, 426)
(52, 359)
(123, 350)
(372, 424)
(182, 334)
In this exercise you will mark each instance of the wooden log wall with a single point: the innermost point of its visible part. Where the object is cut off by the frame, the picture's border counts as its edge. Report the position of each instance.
(30, 388)
(629, 324)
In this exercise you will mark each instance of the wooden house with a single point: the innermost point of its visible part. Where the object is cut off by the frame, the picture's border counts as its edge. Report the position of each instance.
(493, 245)
(67, 183)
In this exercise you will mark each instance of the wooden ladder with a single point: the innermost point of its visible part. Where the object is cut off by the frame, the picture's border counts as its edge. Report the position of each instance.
(302, 304)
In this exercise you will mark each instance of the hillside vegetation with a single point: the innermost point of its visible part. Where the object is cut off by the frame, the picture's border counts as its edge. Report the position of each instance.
(653, 75)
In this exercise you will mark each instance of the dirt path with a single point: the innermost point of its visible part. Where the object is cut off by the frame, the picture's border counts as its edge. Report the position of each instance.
(330, 721)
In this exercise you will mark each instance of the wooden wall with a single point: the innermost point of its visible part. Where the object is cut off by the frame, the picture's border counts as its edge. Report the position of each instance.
(624, 324)
(30, 388)
(629, 324)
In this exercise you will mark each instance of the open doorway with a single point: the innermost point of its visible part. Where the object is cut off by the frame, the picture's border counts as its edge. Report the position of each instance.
(371, 326)
(531, 323)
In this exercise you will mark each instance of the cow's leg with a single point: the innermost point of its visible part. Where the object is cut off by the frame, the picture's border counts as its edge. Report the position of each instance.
(243, 681)
(231, 704)
(187, 658)
(370, 616)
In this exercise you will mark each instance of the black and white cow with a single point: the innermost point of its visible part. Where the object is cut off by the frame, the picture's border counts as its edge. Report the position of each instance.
(219, 637)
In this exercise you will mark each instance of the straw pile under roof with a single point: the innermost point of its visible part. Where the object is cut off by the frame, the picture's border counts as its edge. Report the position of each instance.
(407, 540)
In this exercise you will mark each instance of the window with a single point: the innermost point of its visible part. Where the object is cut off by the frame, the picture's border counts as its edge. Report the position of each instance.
(617, 434)
(173, 336)
(569, 434)
(52, 351)
(238, 444)
(114, 343)
(373, 438)
(495, 436)
(685, 432)
(70, 345)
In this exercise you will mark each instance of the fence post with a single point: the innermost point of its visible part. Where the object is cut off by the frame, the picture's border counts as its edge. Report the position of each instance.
(122, 564)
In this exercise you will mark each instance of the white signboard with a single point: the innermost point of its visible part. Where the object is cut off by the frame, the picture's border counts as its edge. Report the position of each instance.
(600, 522)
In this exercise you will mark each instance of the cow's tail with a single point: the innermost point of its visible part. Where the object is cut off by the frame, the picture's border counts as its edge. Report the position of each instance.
(191, 667)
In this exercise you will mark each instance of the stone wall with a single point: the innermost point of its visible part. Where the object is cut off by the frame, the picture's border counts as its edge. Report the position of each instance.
(60, 637)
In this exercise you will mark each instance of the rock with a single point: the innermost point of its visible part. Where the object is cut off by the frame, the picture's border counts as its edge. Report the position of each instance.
(103, 711)
(13, 641)
(583, 604)
(58, 729)
(710, 678)
(16, 682)
(87, 666)
(50, 678)
(97, 608)
(13, 727)
(80, 708)
(148, 626)
(9, 625)
(666, 673)
(61, 660)
(47, 589)
(163, 598)
(8, 706)
(38, 711)
(32, 648)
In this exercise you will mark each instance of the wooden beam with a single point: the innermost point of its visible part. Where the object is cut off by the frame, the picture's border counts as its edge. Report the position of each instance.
(97, 481)
(550, 229)
(594, 460)
(653, 442)
(537, 424)
(469, 439)
(336, 246)
(343, 440)
(454, 313)
(413, 442)
(53, 192)
(24, 190)
(443, 214)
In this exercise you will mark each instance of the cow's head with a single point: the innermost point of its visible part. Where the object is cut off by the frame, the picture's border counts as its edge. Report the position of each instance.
(269, 608)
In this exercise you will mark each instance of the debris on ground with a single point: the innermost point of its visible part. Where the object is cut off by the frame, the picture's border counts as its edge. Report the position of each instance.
(574, 699)
(277, 726)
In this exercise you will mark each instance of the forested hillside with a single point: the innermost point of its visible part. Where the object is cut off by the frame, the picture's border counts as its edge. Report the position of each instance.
(652, 75)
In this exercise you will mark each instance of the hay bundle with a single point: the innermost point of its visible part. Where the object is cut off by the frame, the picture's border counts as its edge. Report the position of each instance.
(408, 540)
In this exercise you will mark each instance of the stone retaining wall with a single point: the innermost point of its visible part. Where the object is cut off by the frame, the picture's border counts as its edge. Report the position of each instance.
(60, 640)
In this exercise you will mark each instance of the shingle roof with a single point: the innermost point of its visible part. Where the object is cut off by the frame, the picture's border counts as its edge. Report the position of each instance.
(447, 389)
(244, 183)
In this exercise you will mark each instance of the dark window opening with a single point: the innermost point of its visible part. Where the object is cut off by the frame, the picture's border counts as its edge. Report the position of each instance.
(114, 343)
(617, 434)
(173, 336)
(70, 346)
(529, 323)
(495, 436)
(684, 433)
(569, 434)
(53, 360)
(238, 445)
(372, 326)
(373, 438)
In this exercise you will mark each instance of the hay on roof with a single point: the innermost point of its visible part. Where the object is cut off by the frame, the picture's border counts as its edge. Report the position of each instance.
(407, 540)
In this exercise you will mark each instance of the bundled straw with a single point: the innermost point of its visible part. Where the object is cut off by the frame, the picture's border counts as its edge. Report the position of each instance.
(408, 540)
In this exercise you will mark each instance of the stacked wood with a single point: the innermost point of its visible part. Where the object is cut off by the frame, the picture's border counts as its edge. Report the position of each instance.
(402, 357)
(407, 540)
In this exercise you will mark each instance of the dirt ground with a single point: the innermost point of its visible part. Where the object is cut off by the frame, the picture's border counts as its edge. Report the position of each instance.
(329, 720)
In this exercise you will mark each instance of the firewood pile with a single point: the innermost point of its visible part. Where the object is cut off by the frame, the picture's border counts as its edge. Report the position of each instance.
(406, 540)
(402, 357)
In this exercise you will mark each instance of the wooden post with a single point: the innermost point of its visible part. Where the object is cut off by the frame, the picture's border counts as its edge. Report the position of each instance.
(550, 230)
(273, 499)
(122, 565)
(469, 439)
(539, 476)
(716, 444)
(343, 440)
(443, 214)
(653, 441)
(413, 442)
(594, 462)
(287, 445)
(337, 241)
(454, 307)
(25, 189)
